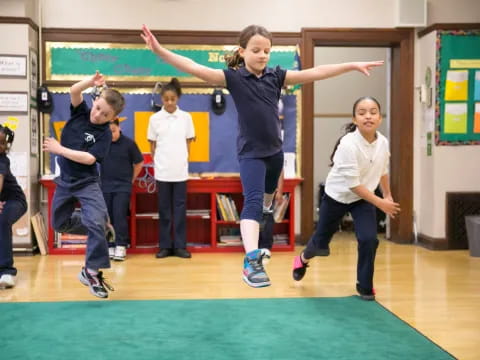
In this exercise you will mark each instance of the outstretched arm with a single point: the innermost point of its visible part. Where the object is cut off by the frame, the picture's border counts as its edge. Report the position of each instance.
(182, 63)
(327, 71)
(76, 90)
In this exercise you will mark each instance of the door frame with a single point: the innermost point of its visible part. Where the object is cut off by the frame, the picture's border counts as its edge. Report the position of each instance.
(401, 42)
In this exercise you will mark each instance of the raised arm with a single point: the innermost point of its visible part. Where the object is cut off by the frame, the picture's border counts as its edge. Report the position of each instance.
(182, 63)
(327, 71)
(76, 90)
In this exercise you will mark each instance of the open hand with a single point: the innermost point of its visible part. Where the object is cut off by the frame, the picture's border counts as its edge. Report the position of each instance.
(389, 207)
(364, 67)
(149, 39)
(52, 145)
(98, 79)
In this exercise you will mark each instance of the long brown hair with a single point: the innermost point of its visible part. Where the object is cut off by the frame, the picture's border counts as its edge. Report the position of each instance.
(351, 127)
(234, 60)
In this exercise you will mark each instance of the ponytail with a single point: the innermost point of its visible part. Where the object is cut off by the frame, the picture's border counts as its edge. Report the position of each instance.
(350, 127)
(173, 85)
(234, 60)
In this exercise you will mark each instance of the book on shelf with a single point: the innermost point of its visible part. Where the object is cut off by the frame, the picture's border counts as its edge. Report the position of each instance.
(70, 239)
(221, 209)
(280, 210)
(40, 231)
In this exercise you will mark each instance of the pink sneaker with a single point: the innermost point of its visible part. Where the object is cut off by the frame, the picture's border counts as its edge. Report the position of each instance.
(299, 268)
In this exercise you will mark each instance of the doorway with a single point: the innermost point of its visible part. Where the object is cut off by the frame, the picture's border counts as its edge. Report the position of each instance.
(401, 44)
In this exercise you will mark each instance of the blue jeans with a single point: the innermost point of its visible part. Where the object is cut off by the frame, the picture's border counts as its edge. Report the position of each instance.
(258, 176)
(12, 211)
(172, 203)
(91, 220)
(365, 221)
(118, 205)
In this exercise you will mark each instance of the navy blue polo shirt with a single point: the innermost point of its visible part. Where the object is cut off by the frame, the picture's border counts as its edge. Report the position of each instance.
(116, 170)
(10, 190)
(80, 134)
(256, 100)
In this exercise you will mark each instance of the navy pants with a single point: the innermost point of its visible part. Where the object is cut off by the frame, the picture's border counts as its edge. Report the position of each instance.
(258, 176)
(365, 222)
(12, 211)
(118, 205)
(172, 204)
(91, 220)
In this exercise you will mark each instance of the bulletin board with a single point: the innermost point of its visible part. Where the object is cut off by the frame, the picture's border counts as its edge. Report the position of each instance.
(458, 88)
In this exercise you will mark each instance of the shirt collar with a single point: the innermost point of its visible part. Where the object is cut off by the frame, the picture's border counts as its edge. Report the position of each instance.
(362, 141)
(175, 113)
(243, 71)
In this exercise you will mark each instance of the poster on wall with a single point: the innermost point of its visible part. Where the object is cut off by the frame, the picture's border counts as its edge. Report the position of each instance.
(33, 131)
(458, 88)
(13, 66)
(33, 75)
(13, 102)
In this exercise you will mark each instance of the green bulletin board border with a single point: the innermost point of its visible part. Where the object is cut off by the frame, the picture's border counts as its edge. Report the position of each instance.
(73, 61)
(458, 44)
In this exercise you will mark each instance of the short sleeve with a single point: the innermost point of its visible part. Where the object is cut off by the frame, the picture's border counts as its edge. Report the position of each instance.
(281, 74)
(190, 129)
(80, 109)
(346, 163)
(151, 136)
(135, 152)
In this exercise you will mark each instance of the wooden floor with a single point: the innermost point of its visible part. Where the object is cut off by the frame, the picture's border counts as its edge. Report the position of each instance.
(437, 292)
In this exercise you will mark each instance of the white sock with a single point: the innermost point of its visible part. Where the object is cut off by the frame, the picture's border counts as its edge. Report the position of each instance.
(267, 201)
(92, 272)
(250, 230)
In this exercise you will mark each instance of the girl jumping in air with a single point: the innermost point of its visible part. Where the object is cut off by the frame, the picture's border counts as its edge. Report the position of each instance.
(255, 89)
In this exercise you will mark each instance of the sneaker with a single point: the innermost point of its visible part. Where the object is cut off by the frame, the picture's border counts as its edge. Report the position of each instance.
(253, 272)
(110, 234)
(120, 253)
(266, 256)
(111, 252)
(299, 268)
(7, 281)
(182, 253)
(97, 284)
(163, 253)
(366, 294)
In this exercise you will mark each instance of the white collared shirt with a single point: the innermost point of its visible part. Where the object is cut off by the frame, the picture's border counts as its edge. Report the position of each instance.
(170, 131)
(357, 162)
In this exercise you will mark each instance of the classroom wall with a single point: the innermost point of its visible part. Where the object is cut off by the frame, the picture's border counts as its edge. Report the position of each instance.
(433, 176)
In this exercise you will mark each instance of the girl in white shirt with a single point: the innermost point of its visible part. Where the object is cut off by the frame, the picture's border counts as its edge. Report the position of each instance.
(360, 163)
(170, 132)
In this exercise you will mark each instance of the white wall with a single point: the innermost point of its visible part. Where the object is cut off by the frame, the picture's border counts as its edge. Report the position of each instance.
(433, 176)
(334, 98)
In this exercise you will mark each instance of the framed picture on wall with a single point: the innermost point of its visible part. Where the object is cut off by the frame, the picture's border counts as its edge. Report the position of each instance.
(13, 66)
(33, 131)
(33, 74)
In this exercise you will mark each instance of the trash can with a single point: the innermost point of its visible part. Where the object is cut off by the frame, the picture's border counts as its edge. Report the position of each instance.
(473, 233)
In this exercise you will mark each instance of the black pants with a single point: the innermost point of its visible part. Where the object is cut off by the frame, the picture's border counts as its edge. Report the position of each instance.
(118, 204)
(172, 209)
(364, 219)
(12, 211)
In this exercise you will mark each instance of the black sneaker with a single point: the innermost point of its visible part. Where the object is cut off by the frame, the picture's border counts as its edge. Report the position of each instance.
(163, 253)
(96, 283)
(299, 268)
(366, 294)
(182, 253)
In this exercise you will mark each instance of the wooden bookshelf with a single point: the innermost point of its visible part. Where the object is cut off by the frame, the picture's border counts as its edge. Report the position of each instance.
(204, 223)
